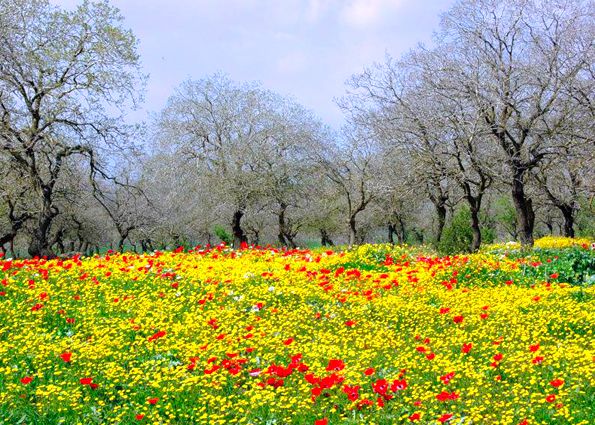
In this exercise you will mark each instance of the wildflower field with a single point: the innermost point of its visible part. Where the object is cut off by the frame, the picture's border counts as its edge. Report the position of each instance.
(375, 335)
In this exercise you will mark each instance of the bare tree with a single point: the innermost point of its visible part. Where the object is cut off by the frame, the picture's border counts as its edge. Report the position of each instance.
(520, 61)
(62, 74)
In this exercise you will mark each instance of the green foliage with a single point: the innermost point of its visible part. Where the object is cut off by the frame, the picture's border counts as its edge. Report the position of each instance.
(223, 234)
(573, 265)
(585, 219)
(505, 215)
(458, 236)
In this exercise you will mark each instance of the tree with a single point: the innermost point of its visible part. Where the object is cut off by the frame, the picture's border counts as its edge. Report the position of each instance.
(523, 63)
(389, 101)
(65, 77)
(353, 169)
(249, 143)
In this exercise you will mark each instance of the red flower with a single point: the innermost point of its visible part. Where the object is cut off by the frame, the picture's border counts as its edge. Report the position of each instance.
(524, 422)
(557, 383)
(398, 385)
(458, 319)
(26, 380)
(335, 365)
(554, 275)
(66, 357)
(37, 307)
(445, 418)
(537, 360)
(415, 417)
(288, 341)
(157, 335)
(446, 378)
(466, 348)
(352, 392)
(349, 323)
(509, 282)
(153, 401)
(484, 316)
(534, 348)
(323, 421)
(380, 386)
(444, 310)
(86, 381)
(369, 371)
(431, 356)
(550, 398)
(498, 357)
(139, 417)
(444, 396)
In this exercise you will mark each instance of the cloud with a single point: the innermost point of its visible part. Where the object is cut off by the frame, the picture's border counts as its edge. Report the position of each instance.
(365, 13)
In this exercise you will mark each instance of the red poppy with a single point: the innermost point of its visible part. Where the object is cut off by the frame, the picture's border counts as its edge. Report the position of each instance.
(498, 357)
(537, 360)
(335, 364)
(153, 401)
(446, 378)
(431, 356)
(554, 275)
(534, 348)
(351, 391)
(415, 417)
(157, 335)
(380, 386)
(458, 319)
(445, 396)
(86, 381)
(66, 356)
(26, 380)
(444, 310)
(350, 323)
(323, 421)
(139, 417)
(466, 348)
(445, 418)
(524, 422)
(37, 307)
(550, 398)
(398, 385)
(369, 371)
(288, 341)
(557, 383)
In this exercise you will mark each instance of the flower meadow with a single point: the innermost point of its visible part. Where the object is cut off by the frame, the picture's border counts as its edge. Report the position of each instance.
(378, 334)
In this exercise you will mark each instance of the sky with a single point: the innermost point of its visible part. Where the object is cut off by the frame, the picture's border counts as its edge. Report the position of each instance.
(306, 49)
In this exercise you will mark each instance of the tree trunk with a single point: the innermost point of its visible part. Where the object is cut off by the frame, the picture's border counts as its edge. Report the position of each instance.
(325, 240)
(352, 230)
(239, 236)
(441, 213)
(391, 232)
(282, 224)
(524, 210)
(40, 243)
(568, 214)
(121, 244)
(401, 235)
(475, 229)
